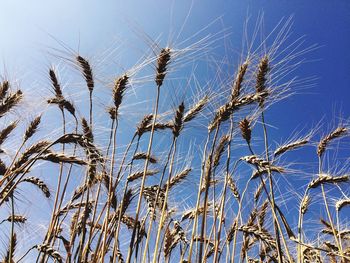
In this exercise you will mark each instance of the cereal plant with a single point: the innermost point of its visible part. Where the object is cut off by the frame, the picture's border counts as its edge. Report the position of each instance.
(183, 177)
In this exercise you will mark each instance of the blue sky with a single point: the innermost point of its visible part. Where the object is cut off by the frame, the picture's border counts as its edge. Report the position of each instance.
(94, 26)
(112, 35)
(114, 31)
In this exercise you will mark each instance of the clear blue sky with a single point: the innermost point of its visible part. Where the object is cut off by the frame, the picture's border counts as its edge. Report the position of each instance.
(96, 25)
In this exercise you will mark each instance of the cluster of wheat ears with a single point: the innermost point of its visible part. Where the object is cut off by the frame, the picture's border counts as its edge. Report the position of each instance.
(128, 206)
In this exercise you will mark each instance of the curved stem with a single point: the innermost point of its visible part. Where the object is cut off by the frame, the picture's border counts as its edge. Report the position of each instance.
(25, 254)
(90, 113)
(23, 171)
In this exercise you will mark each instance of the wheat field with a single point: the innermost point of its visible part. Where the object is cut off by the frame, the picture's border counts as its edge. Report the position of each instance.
(176, 158)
